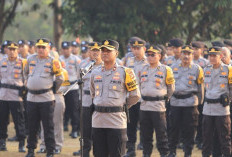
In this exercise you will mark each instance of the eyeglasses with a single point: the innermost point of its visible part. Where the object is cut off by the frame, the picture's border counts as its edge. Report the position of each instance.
(41, 47)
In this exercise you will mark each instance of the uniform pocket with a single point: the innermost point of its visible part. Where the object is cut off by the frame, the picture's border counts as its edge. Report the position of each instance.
(114, 91)
(98, 89)
(191, 80)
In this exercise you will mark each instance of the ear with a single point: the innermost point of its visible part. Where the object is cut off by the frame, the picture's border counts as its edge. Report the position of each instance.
(144, 48)
(116, 53)
(221, 55)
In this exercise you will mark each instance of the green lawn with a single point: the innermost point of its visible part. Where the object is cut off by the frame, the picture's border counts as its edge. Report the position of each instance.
(70, 145)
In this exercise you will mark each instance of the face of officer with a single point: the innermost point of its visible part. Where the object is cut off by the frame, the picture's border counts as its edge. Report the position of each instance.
(108, 56)
(197, 52)
(214, 59)
(170, 51)
(6, 50)
(43, 51)
(85, 54)
(75, 50)
(153, 58)
(66, 52)
(186, 58)
(12, 54)
(139, 52)
(95, 54)
(177, 51)
(23, 50)
(31, 49)
(226, 56)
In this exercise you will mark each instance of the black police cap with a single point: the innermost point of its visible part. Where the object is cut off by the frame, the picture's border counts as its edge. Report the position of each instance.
(84, 49)
(42, 42)
(228, 42)
(84, 43)
(110, 44)
(215, 50)
(187, 48)
(31, 43)
(6, 43)
(176, 42)
(198, 44)
(138, 42)
(217, 43)
(94, 45)
(65, 44)
(154, 49)
(22, 42)
(75, 44)
(13, 45)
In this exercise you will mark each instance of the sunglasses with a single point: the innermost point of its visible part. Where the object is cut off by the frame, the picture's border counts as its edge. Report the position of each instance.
(152, 55)
(41, 47)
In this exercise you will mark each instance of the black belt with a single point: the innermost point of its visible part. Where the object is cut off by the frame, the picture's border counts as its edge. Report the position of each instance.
(185, 96)
(149, 98)
(213, 100)
(10, 86)
(107, 109)
(42, 91)
(87, 92)
(73, 82)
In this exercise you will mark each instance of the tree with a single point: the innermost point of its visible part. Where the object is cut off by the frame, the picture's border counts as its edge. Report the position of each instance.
(7, 14)
(156, 21)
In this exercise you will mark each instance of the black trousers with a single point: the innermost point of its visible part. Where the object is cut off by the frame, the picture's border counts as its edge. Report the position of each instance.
(199, 127)
(41, 111)
(222, 126)
(16, 108)
(186, 118)
(72, 109)
(150, 121)
(87, 130)
(132, 126)
(109, 142)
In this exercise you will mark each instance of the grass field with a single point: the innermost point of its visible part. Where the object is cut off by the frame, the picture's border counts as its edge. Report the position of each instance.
(70, 145)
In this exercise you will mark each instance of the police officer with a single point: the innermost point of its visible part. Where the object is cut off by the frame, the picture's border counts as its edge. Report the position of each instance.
(53, 53)
(31, 45)
(198, 48)
(94, 54)
(23, 53)
(84, 52)
(169, 49)
(109, 86)
(40, 71)
(226, 59)
(12, 82)
(189, 92)
(138, 48)
(23, 49)
(216, 111)
(58, 117)
(4, 49)
(228, 44)
(72, 110)
(157, 86)
(176, 47)
(75, 48)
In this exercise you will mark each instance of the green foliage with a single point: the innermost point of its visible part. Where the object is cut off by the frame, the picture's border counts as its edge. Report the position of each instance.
(154, 20)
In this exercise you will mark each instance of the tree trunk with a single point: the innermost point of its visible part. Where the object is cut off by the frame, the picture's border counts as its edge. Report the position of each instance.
(58, 30)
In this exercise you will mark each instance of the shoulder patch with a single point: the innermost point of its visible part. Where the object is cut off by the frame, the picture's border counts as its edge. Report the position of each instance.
(230, 74)
(170, 77)
(130, 80)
